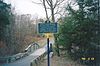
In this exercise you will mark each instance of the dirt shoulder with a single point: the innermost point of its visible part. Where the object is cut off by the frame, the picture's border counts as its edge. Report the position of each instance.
(60, 61)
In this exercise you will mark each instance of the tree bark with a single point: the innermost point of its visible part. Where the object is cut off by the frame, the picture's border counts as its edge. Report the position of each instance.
(45, 10)
(52, 11)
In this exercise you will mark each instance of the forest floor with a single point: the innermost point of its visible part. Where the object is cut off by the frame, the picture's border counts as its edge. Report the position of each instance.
(63, 60)
(60, 61)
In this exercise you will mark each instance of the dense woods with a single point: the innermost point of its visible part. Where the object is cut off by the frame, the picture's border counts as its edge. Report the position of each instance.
(16, 31)
(79, 33)
(5, 16)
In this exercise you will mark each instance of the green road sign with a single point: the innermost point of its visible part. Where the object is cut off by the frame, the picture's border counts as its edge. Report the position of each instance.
(47, 27)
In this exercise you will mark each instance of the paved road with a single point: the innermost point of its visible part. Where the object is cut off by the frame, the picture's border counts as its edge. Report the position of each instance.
(26, 60)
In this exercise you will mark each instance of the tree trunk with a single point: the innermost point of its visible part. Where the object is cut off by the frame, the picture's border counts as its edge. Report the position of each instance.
(55, 35)
(45, 10)
(52, 13)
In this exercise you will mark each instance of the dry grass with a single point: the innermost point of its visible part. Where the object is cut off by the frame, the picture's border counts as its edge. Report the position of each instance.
(60, 61)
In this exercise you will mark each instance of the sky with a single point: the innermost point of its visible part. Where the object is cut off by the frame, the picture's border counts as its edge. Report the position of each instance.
(27, 7)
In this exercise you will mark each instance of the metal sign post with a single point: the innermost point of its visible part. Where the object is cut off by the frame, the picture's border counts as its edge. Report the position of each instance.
(48, 57)
(48, 49)
(47, 28)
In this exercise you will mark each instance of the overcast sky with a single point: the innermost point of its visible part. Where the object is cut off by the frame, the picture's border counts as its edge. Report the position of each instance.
(27, 7)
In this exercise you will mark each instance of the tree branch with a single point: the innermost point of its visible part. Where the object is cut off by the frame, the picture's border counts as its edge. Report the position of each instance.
(48, 2)
(36, 2)
(45, 9)
(58, 3)
(59, 11)
(41, 1)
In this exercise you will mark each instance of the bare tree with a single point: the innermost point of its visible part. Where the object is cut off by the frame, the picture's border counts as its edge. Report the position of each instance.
(52, 5)
(55, 6)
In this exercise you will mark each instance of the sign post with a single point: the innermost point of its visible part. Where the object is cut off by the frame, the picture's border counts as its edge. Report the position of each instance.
(47, 28)
(48, 51)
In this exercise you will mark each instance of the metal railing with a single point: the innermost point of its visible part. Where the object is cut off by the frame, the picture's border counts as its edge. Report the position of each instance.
(30, 49)
(38, 59)
(11, 58)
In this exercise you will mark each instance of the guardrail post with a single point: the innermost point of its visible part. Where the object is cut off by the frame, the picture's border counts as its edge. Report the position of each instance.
(31, 64)
(9, 60)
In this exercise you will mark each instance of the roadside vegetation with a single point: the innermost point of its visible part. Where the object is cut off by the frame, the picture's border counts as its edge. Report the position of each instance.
(17, 31)
(79, 32)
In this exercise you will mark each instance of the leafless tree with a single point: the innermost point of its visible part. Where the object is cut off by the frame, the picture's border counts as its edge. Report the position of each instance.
(53, 5)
